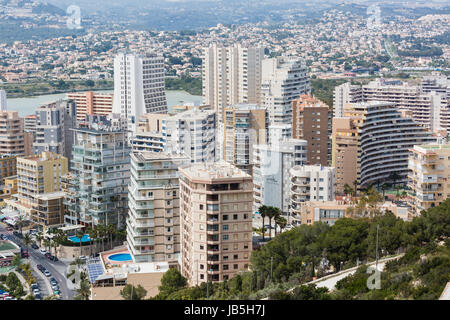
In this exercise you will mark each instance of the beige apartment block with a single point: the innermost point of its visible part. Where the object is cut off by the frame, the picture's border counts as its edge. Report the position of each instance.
(245, 125)
(12, 139)
(90, 102)
(151, 122)
(344, 152)
(429, 178)
(216, 221)
(311, 119)
(153, 223)
(323, 211)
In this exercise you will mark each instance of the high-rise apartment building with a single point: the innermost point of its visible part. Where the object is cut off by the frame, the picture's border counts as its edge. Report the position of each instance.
(271, 179)
(139, 86)
(39, 185)
(429, 176)
(192, 133)
(279, 132)
(345, 151)
(284, 79)
(231, 75)
(54, 122)
(244, 126)
(383, 137)
(310, 183)
(3, 105)
(12, 137)
(216, 221)
(311, 121)
(428, 103)
(101, 165)
(344, 94)
(153, 224)
(90, 102)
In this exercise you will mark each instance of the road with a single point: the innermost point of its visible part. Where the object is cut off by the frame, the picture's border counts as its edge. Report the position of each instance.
(57, 269)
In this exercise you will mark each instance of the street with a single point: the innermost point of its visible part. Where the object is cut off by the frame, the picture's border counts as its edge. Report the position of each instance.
(57, 269)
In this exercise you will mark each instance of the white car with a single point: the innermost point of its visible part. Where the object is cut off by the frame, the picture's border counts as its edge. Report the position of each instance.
(43, 251)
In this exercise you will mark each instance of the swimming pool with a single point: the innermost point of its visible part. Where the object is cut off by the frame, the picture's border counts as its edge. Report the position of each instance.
(120, 257)
(77, 240)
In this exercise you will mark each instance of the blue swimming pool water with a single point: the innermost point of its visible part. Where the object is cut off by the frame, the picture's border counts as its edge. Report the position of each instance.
(77, 240)
(120, 257)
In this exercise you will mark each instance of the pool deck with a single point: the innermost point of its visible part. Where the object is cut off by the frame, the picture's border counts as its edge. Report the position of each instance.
(111, 263)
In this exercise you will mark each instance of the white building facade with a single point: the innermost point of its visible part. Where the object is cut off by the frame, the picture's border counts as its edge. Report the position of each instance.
(139, 86)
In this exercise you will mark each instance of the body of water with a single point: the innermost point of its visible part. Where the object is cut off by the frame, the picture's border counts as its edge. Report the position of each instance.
(27, 106)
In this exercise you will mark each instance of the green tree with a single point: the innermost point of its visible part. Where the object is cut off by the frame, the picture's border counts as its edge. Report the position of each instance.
(171, 281)
(130, 292)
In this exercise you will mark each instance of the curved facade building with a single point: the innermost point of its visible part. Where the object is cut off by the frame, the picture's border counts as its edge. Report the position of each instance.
(385, 137)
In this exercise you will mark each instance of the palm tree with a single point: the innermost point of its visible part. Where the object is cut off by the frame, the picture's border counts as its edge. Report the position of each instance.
(281, 222)
(355, 183)
(20, 222)
(101, 235)
(276, 216)
(47, 244)
(27, 240)
(272, 213)
(394, 177)
(84, 292)
(111, 230)
(92, 235)
(55, 244)
(39, 237)
(80, 235)
(263, 212)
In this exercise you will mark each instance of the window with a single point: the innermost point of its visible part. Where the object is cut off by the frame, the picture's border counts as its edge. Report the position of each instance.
(225, 227)
(235, 216)
(225, 237)
(235, 266)
(225, 217)
(235, 257)
(225, 267)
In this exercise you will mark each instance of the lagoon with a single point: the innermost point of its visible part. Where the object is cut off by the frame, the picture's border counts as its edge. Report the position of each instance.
(27, 106)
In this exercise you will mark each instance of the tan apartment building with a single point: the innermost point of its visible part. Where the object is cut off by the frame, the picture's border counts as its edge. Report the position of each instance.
(90, 102)
(38, 176)
(429, 178)
(49, 210)
(344, 152)
(311, 121)
(323, 211)
(151, 122)
(216, 221)
(8, 166)
(8, 187)
(245, 125)
(153, 223)
(12, 139)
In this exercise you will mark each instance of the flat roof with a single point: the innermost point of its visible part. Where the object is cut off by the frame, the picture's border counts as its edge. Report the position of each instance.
(220, 170)
(51, 196)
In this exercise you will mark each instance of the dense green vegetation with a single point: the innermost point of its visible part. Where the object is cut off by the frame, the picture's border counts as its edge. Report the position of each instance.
(186, 83)
(323, 89)
(34, 88)
(296, 256)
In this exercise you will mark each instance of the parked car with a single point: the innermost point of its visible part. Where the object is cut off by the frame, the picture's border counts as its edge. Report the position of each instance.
(53, 258)
(43, 251)
(47, 255)
(55, 287)
(47, 274)
(34, 246)
(25, 254)
(34, 286)
(38, 297)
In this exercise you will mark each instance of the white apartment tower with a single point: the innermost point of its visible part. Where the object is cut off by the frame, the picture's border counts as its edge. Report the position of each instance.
(193, 133)
(271, 167)
(231, 75)
(311, 183)
(284, 79)
(139, 86)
